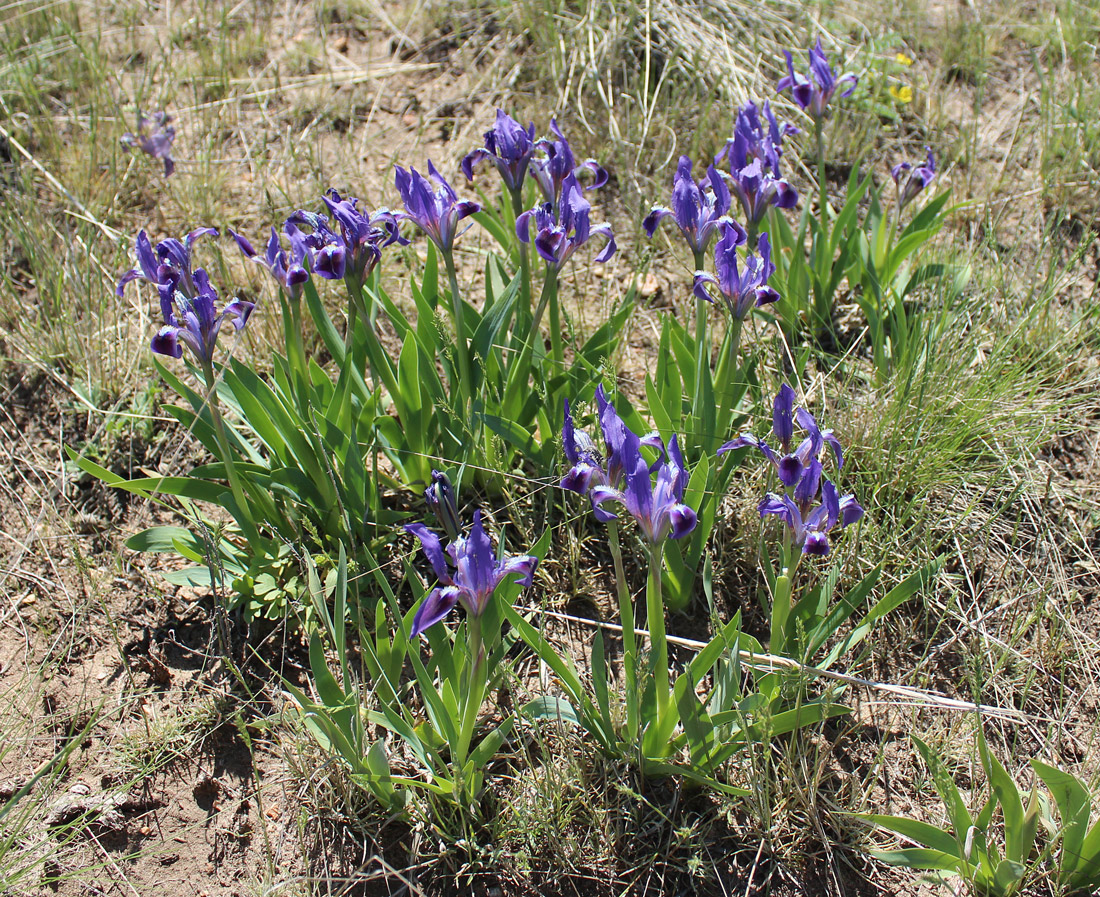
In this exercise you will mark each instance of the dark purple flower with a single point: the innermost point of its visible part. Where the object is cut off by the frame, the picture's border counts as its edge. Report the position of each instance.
(558, 236)
(740, 291)
(436, 210)
(757, 191)
(791, 465)
(810, 531)
(591, 468)
(510, 146)
(658, 507)
(154, 138)
(585, 459)
(440, 496)
(168, 266)
(698, 208)
(911, 180)
(325, 249)
(470, 578)
(194, 320)
(752, 140)
(550, 172)
(364, 236)
(289, 271)
(814, 93)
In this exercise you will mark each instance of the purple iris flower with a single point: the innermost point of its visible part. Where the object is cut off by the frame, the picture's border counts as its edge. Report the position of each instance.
(791, 466)
(753, 155)
(698, 208)
(154, 138)
(168, 266)
(910, 179)
(558, 236)
(740, 291)
(363, 236)
(814, 93)
(658, 507)
(590, 467)
(752, 140)
(471, 577)
(587, 467)
(435, 209)
(440, 497)
(325, 249)
(510, 146)
(757, 191)
(551, 172)
(289, 271)
(810, 531)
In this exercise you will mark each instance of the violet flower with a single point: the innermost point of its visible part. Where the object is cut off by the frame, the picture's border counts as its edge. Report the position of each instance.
(810, 531)
(813, 94)
(790, 465)
(440, 497)
(363, 236)
(188, 301)
(551, 172)
(325, 249)
(911, 180)
(195, 321)
(435, 209)
(698, 208)
(757, 191)
(752, 140)
(589, 466)
(739, 291)
(289, 271)
(625, 476)
(169, 266)
(154, 138)
(558, 235)
(510, 146)
(471, 576)
(658, 507)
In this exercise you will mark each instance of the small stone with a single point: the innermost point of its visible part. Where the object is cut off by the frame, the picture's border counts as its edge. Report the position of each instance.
(650, 286)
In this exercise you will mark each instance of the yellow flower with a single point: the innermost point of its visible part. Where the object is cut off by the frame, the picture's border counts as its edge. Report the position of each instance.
(903, 94)
(903, 59)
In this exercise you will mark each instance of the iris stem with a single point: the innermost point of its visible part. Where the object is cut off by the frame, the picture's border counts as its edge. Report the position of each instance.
(518, 373)
(702, 352)
(524, 259)
(292, 328)
(474, 690)
(630, 638)
(729, 373)
(822, 188)
(557, 346)
(361, 307)
(655, 622)
(462, 349)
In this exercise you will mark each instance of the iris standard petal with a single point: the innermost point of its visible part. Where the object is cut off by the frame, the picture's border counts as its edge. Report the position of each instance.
(782, 410)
